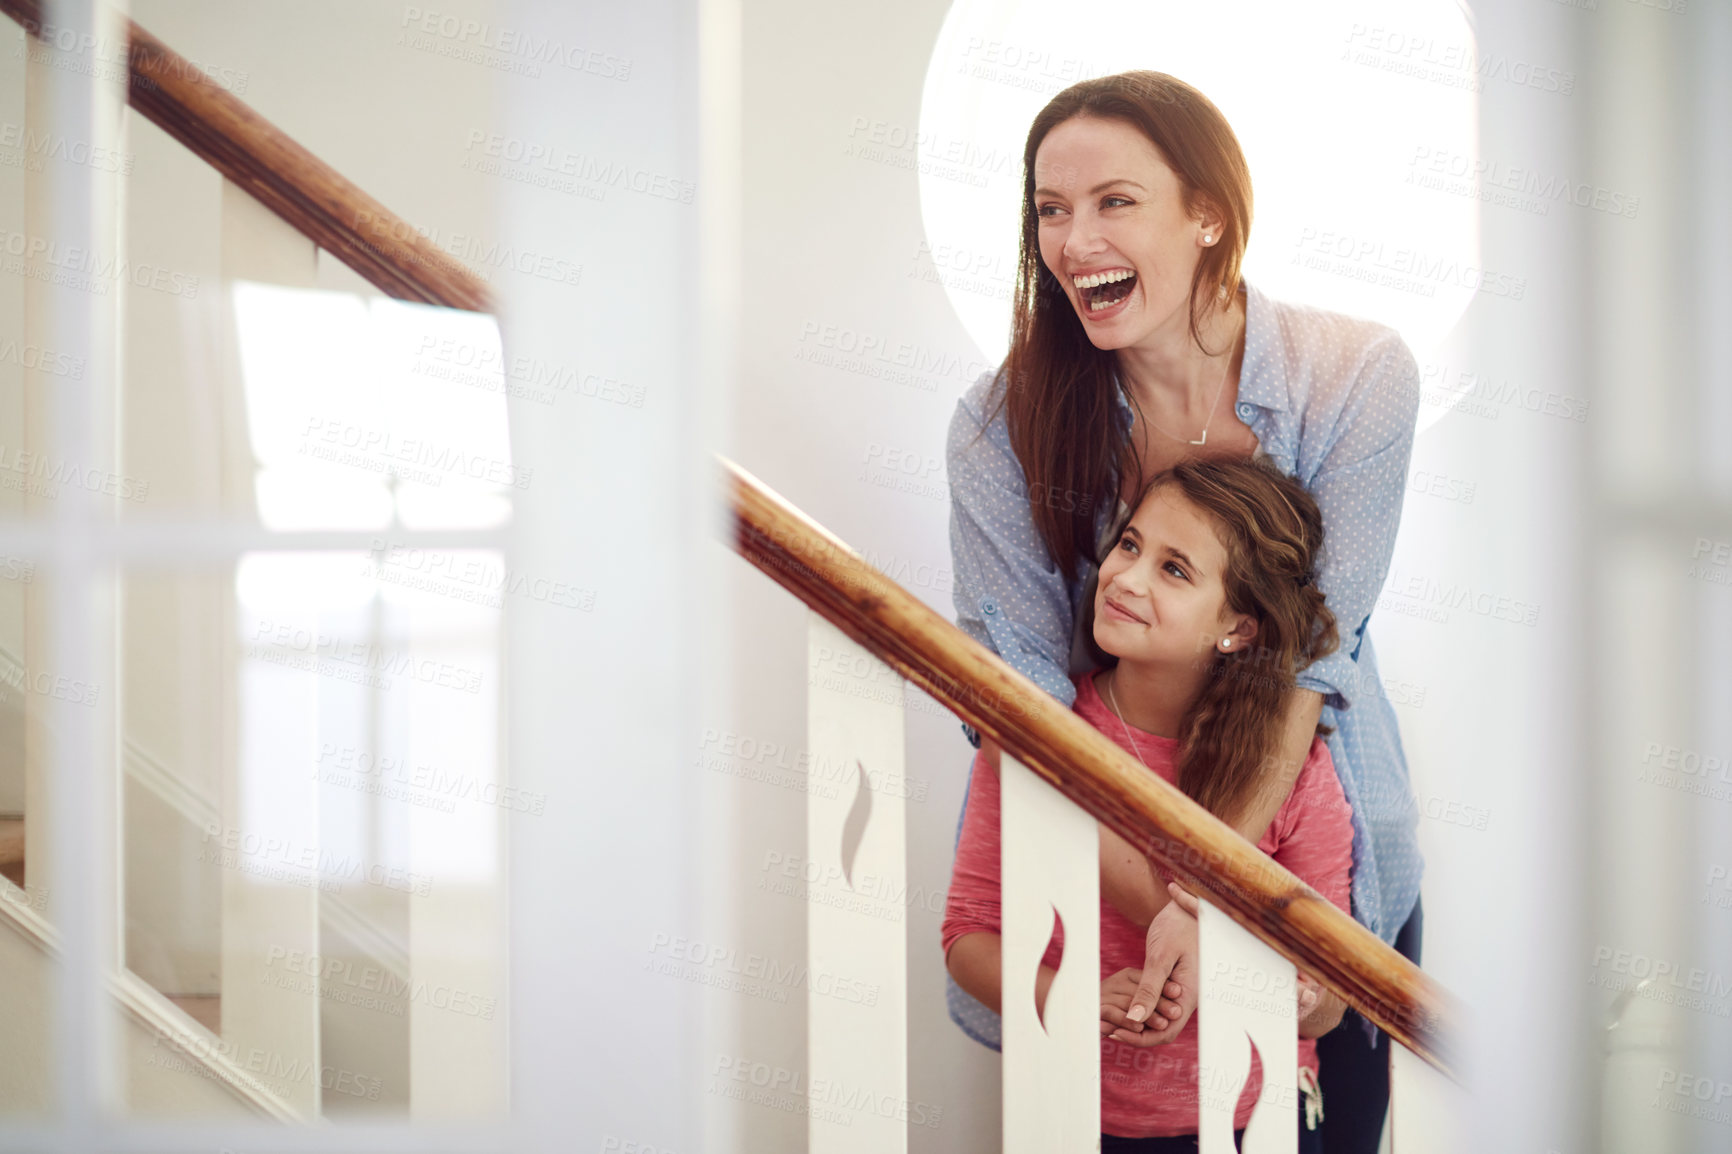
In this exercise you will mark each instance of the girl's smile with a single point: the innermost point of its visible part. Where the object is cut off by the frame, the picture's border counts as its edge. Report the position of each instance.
(1114, 609)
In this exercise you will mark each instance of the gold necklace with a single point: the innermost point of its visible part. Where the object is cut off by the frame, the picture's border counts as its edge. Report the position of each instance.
(1213, 405)
(1125, 725)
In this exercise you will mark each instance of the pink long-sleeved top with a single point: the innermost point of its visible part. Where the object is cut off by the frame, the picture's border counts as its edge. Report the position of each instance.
(1153, 1092)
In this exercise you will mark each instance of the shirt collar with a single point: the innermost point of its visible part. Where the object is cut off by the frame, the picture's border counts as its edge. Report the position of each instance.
(1263, 375)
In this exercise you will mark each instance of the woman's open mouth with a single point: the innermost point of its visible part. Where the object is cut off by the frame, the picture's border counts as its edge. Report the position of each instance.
(1102, 293)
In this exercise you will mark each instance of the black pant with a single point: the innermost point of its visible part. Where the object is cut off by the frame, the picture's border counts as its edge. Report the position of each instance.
(1183, 1143)
(1178, 1144)
(1353, 1076)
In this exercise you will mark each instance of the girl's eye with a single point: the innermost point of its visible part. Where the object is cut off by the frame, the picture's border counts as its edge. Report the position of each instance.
(1127, 545)
(1174, 568)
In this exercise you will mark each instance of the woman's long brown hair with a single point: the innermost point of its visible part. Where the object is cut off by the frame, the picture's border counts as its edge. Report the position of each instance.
(1272, 532)
(1058, 388)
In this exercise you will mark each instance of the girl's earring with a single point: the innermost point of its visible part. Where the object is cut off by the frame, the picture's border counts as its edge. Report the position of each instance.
(1226, 643)
(1207, 239)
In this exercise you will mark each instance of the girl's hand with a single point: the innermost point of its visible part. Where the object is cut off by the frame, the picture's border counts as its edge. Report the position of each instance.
(990, 750)
(1310, 990)
(1116, 994)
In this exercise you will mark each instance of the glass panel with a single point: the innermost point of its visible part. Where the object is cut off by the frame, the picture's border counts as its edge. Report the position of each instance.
(38, 267)
(369, 420)
(314, 846)
(28, 971)
(251, 394)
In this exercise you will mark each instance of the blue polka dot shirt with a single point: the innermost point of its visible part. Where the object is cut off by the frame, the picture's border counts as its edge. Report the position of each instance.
(1332, 400)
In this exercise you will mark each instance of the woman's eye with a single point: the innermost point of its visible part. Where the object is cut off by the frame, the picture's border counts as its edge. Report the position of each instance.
(1048, 210)
(1112, 200)
(1173, 568)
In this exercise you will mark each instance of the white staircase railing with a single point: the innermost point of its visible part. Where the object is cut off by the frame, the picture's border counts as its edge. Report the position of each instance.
(857, 1053)
(1050, 876)
(856, 847)
(1248, 993)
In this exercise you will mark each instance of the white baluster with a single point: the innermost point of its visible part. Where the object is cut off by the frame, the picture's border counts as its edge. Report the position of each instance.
(268, 797)
(1050, 861)
(1248, 995)
(856, 924)
(1426, 1107)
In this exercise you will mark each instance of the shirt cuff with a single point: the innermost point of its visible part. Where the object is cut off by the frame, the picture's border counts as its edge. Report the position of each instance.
(1336, 677)
(1017, 647)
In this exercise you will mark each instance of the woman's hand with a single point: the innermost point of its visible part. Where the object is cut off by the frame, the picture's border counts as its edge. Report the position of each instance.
(1186, 899)
(1319, 1011)
(1166, 993)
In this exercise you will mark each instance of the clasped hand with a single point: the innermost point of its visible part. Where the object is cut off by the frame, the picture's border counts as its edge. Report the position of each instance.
(1166, 984)
(1167, 980)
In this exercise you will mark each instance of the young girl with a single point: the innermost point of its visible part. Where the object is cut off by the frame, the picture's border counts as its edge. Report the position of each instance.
(1208, 602)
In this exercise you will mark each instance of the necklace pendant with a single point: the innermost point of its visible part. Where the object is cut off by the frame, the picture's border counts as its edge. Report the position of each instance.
(1202, 440)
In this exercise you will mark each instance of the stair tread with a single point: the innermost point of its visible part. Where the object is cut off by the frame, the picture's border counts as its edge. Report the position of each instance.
(12, 850)
(205, 1009)
(11, 840)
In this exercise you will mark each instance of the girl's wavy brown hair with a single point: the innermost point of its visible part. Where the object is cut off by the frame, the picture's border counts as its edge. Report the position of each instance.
(1272, 531)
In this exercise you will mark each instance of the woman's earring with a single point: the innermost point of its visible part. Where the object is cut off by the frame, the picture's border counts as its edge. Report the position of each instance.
(1226, 643)
(1207, 239)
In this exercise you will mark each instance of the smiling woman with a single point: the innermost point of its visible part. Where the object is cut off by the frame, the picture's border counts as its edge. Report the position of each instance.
(1117, 234)
(1137, 345)
(1132, 211)
(1343, 150)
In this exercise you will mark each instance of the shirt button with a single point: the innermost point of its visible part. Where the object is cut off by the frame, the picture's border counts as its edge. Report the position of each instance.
(989, 606)
(1244, 412)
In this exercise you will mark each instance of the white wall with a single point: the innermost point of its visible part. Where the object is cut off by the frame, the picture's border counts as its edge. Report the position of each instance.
(831, 240)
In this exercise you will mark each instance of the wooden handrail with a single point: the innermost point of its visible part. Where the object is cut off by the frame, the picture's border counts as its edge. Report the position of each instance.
(306, 192)
(1087, 767)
